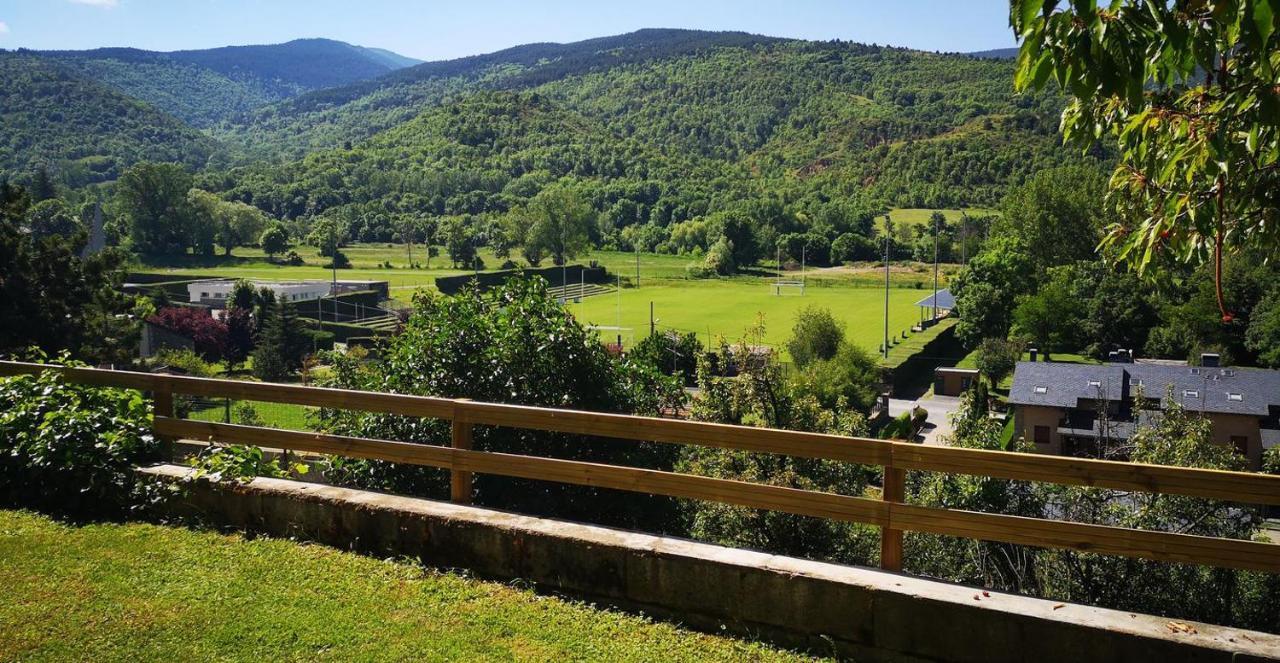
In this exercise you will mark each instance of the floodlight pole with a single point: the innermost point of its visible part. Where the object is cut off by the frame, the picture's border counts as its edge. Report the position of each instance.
(935, 270)
(887, 232)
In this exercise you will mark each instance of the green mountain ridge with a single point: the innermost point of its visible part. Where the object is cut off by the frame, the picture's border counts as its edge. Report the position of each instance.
(660, 139)
(81, 129)
(203, 87)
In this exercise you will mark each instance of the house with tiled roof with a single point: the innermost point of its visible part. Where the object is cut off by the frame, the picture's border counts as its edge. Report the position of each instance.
(1070, 409)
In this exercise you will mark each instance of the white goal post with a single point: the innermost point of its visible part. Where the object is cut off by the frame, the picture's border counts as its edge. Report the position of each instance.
(796, 287)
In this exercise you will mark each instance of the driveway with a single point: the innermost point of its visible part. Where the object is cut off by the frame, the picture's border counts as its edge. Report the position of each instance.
(939, 408)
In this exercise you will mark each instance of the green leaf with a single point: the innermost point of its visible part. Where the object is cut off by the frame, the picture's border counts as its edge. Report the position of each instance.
(1026, 11)
(1264, 22)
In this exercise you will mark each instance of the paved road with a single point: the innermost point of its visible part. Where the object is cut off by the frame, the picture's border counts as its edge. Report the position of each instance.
(940, 408)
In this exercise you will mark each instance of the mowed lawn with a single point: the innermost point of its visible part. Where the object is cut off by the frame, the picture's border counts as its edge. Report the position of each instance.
(135, 592)
(725, 308)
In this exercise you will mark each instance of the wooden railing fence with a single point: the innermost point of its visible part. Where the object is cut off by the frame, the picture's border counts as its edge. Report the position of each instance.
(890, 513)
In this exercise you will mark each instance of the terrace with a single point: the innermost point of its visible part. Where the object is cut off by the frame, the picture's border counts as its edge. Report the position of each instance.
(875, 614)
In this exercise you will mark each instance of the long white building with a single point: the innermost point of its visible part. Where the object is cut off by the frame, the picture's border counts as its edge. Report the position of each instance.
(216, 293)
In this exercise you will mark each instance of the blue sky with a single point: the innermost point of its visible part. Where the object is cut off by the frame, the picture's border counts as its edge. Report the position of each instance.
(433, 30)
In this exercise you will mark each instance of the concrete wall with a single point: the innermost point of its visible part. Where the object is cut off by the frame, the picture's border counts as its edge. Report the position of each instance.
(859, 613)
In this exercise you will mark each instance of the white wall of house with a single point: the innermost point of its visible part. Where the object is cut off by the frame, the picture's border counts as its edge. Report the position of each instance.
(206, 292)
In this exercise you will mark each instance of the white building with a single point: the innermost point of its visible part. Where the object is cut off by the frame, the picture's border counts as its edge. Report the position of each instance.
(216, 293)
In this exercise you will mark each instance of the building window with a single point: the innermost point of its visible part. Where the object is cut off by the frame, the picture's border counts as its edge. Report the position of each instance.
(1095, 383)
(204, 295)
(1235, 397)
(1041, 390)
(1190, 393)
(964, 383)
(1042, 434)
(1241, 443)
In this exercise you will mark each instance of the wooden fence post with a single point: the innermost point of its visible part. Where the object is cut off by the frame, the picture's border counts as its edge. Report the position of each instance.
(893, 491)
(459, 480)
(162, 406)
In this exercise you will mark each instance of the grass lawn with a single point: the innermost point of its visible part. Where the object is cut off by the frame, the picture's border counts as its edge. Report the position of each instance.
(727, 307)
(913, 216)
(147, 593)
(273, 415)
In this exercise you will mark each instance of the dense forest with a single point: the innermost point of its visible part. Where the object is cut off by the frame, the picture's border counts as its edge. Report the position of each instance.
(81, 129)
(203, 87)
(654, 129)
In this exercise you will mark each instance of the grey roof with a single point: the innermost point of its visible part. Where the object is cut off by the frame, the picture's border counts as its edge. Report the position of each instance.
(945, 300)
(1248, 391)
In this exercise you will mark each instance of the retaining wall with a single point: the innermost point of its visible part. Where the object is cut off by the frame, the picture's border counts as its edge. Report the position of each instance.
(865, 614)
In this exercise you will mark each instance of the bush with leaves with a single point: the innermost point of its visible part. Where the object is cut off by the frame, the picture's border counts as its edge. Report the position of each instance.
(849, 379)
(987, 563)
(997, 357)
(72, 448)
(207, 333)
(672, 353)
(816, 336)
(1180, 438)
(511, 344)
(761, 396)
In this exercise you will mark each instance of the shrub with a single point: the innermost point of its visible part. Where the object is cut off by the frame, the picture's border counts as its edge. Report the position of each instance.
(293, 259)
(998, 357)
(72, 448)
(816, 336)
(672, 353)
(511, 344)
(207, 333)
(339, 261)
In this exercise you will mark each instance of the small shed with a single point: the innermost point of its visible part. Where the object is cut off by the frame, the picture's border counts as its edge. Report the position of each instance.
(948, 381)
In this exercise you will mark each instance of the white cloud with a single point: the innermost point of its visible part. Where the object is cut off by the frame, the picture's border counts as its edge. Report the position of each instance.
(105, 4)
(4, 28)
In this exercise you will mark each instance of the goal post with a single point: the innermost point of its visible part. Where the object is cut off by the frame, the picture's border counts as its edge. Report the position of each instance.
(781, 288)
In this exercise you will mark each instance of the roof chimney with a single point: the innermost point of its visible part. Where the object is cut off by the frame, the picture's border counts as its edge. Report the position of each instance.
(1210, 359)
(1033, 353)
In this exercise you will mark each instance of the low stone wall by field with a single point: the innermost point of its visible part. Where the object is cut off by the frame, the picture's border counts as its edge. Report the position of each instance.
(859, 613)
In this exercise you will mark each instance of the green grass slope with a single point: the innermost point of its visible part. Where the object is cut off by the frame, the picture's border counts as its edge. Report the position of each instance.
(146, 593)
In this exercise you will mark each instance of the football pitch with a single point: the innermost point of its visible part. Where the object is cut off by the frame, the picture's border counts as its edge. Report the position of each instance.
(716, 309)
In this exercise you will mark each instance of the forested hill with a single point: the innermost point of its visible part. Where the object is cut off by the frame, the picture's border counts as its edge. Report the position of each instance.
(346, 114)
(80, 129)
(662, 135)
(206, 86)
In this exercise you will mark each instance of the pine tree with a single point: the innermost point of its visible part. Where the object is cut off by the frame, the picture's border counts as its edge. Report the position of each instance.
(281, 344)
(42, 186)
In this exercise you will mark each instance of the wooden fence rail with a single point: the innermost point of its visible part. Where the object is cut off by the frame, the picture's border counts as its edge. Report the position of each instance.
(890, 513)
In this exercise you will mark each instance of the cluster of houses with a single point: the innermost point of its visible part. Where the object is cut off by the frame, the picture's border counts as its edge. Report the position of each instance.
(1072, 409)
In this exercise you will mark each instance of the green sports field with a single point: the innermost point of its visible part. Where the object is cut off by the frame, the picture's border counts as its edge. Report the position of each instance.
(713, 308)
(726, 308)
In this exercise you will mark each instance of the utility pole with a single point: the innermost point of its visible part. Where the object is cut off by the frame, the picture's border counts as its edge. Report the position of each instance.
(651, 325)
(333, 262)
(887, 232)
(409, 240)
(936, 231)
